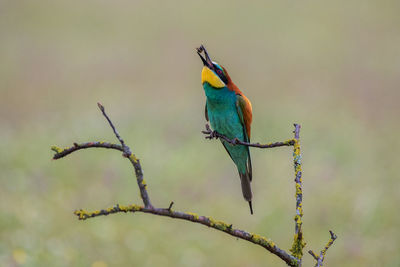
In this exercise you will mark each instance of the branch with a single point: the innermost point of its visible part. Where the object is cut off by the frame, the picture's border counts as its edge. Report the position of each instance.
(132, 158)
(148, 208)
(207, 221)
(125, 147)
(321, 256)
(298, 244)
(298, 241)
(210, 134)
(62, 152)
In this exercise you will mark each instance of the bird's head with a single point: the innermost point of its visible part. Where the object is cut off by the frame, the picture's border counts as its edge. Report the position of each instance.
(212, 72)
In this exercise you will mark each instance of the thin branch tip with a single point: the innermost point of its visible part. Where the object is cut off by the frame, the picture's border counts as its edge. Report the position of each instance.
(170, 206)
(333, 235)
(313, 254)
(101, 107)
(321, 257)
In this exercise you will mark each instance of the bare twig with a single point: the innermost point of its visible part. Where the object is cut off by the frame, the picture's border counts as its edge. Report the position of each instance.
(170, 206)
(322, 254)
(126, 148)
(132, 158)
(313, 254)
(62, 152)
(214, 134)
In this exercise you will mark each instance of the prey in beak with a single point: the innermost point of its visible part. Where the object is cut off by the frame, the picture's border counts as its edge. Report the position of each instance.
(212, 73)
(206, 59)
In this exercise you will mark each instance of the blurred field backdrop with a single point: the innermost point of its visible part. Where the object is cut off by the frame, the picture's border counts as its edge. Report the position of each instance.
(332, 66)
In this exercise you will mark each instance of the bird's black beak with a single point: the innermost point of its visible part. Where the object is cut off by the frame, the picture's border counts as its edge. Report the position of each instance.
(206, 61)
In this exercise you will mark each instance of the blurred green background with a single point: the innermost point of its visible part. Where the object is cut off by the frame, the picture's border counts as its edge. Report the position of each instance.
(332, 66)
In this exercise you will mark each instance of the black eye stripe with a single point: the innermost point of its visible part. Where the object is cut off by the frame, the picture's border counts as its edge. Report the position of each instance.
(220, 73)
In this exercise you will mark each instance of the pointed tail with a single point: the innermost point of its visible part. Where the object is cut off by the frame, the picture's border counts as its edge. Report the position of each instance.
(251, 208)
(245, 179)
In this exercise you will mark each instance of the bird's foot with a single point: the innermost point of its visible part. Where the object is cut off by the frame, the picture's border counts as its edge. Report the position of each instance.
(235, 141)
(210, 134)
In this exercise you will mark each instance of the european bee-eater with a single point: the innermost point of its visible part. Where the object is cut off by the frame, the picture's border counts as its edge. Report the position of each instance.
(230, 114)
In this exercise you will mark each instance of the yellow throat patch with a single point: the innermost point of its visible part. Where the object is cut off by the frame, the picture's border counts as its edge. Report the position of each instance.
(210, 77)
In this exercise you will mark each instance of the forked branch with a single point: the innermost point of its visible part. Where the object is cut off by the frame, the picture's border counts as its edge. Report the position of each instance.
(293, 259)
(322, 254)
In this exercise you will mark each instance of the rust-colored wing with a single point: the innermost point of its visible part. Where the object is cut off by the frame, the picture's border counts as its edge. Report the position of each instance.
(245, 114)
(245, 108)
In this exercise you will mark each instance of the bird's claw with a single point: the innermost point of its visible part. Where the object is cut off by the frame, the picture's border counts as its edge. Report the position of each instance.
(210, 134)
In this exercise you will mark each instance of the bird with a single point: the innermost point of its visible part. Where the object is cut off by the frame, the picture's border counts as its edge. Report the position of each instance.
(229, 112)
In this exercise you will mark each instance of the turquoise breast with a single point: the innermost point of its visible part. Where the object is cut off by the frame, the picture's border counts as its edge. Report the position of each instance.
(224, 118)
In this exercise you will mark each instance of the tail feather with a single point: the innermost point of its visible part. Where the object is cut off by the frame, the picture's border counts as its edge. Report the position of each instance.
(246, 188)
(251, 208)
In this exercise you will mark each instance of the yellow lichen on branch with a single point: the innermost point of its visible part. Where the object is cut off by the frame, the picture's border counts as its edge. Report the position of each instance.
(321, 256)
(57, 149)
(261, 239)
(293, 259)
(83, 214)
(133, 158)
(298, 241)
